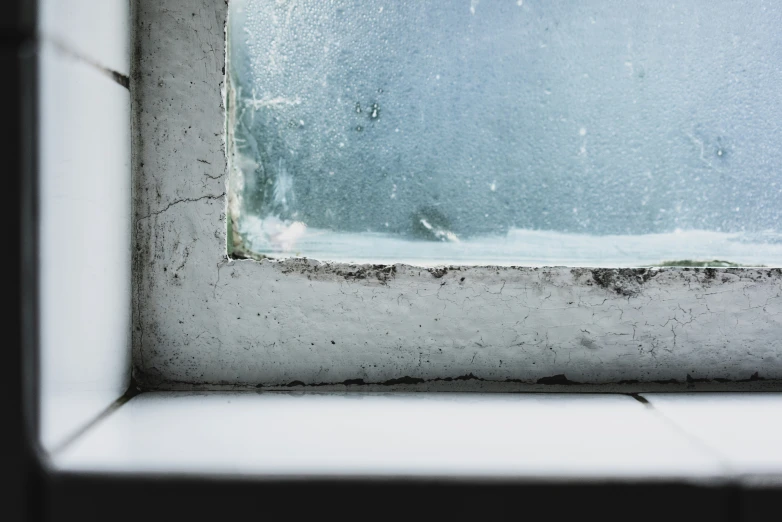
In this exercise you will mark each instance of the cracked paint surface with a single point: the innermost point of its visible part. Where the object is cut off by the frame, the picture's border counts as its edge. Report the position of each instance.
(201, 319)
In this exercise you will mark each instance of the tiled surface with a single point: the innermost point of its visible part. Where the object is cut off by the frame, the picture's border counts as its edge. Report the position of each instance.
(744, 428)
(532, 435)
(99, 30)
(85, 253)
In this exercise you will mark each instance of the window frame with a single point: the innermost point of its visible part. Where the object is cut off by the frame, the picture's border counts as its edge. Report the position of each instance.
(204, 320)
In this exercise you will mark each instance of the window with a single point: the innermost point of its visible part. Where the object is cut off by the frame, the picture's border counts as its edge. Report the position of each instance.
(204, 319)
(506, 133)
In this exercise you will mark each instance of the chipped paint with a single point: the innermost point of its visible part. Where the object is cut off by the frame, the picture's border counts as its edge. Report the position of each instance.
(202, 320)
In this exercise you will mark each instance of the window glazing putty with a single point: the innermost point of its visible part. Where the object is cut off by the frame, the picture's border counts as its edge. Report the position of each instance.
(596, 133)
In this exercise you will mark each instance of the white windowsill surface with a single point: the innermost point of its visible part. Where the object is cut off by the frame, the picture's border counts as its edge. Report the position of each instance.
(517, 436)
(745, 429)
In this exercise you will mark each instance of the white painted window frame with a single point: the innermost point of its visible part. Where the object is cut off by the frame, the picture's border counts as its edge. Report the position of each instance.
(202, 320)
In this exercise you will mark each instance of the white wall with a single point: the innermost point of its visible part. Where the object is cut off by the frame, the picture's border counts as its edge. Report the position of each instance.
(85, 210)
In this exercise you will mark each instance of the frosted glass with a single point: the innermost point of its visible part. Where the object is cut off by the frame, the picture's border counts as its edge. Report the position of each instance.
(599, 132)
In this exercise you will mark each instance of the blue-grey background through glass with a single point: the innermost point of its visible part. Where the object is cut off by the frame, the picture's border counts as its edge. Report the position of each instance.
(598, 132)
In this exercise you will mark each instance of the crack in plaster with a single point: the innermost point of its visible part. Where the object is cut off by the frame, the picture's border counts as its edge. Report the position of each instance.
(177, 202)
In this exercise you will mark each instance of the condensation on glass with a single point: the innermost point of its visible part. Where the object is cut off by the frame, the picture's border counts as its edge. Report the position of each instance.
(593, 133)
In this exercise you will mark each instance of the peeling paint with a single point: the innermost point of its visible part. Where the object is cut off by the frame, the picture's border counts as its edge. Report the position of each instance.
(206, 321)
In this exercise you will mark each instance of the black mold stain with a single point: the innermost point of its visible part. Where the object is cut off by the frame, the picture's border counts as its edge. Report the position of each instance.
(752, 378)
(626, 282)
(381, 273)
(629, 282)
(640, 399)
(559, 379)
(556, 379)
(439, 272)
(121, 79)
(468, 377)
(403, 380)
(690, 379)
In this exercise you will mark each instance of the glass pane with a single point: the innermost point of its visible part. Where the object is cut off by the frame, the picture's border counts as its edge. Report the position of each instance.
(592, 133)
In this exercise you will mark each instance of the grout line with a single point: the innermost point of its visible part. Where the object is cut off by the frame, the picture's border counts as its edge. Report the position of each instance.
(724, 462)
(118, 77)
(111, 408)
